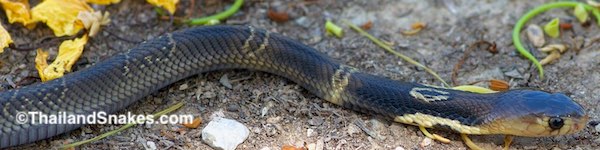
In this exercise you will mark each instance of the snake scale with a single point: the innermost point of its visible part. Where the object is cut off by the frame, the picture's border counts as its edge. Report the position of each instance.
(121, 80)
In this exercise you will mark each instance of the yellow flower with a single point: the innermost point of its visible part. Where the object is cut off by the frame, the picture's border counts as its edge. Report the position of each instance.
(68, 53)
(103, 2)
(4, 39)
(17, 11)
(61, 15)
(167, 4)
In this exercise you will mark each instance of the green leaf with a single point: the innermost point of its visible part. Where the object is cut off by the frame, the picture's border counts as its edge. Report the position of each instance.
(552, 28)
(581, 13)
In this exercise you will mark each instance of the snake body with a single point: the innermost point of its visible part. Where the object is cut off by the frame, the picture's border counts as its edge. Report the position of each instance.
(121, 80)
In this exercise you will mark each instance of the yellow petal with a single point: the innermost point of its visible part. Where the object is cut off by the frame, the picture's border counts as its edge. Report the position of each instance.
(4, 39)
(103, 2)
(17, 11)
(61, 15)
(68, 53)
(40, 62)
(167, 4)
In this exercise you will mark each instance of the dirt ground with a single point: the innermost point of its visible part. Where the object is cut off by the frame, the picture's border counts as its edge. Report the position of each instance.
(296, 117)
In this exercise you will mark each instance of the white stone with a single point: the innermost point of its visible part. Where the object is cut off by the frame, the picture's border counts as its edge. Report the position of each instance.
(150, 145)
(399, 148)
(310, 132)
(224, 134)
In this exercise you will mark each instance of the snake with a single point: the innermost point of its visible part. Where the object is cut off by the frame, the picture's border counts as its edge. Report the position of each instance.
(115, 83)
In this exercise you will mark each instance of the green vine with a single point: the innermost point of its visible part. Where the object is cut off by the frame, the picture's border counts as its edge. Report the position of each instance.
(215, 18)
(536, 11)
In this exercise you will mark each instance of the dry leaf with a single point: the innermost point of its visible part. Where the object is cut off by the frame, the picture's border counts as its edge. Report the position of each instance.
(552, 47)
(169, 5)
(92, 21)
(367, 25)
(498, 85)
(61, 15)
(4, 39)
(278, 16)
(554, 55)
(103, 2)
(18, 11)
(41, 62)
(68, 53)
(194, 124)
(415, 28)
(290, 147)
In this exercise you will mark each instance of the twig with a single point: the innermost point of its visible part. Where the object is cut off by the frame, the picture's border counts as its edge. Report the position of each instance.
(491, 48)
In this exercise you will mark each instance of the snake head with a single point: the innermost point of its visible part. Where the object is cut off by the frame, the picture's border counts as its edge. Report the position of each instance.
(537, 113)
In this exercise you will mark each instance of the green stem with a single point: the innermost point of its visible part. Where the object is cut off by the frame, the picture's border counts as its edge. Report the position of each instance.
(389, 49)
(220, 16)
(534, 12)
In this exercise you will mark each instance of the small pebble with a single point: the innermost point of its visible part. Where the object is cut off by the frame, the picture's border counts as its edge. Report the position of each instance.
(233, 108)
(209, 94)
(303, 21)
(315, 121)
(265, 148)
(514, 74)
(225, 134)
(183, 87)
(150, 145)
(310, 133)
(556, 148)
(320, 144)
(352, 129)
(87, 130)
(311, 146)
(425, 142)
(399, 148)
(157, 100)
(265, 109)
(531, 147)
(274, 120)
(597, 128)
(225, 81)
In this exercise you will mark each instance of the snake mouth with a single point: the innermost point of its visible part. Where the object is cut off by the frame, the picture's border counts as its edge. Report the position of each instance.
(579, 124)
(537, 126)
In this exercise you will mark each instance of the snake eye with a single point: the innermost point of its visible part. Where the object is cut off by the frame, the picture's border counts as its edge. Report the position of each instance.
(556, 123)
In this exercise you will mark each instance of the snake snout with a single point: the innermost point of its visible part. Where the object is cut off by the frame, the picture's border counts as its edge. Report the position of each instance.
(537, 113)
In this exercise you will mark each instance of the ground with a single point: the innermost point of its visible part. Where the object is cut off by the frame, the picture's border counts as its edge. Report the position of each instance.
(294, 116)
